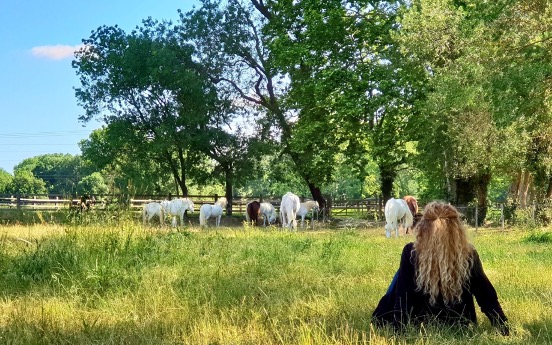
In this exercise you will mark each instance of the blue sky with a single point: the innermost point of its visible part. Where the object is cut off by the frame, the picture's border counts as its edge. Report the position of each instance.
(38, 110)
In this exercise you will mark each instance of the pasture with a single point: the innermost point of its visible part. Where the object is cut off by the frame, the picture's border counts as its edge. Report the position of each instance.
(124, 283)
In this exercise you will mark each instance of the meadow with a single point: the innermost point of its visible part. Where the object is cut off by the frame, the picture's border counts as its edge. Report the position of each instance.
(123, 283)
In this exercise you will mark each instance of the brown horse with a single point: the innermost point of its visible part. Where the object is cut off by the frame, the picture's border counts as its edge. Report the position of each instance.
(253, 209)
(413, 207)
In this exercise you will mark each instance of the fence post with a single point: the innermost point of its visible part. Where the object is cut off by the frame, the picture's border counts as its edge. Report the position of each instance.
(18, 200)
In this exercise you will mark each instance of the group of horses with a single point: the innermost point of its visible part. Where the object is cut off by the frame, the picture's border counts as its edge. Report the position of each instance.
(398, 212)
(290, 208)
(175, 208)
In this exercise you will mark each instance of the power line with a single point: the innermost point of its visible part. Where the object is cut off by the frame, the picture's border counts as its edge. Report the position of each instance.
(44, 134)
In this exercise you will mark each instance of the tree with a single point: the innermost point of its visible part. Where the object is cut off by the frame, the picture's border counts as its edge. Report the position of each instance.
(131, 167)
(147, 86)
(229, 40)
(60, 172)
(486, 80)
(348, 83)
(5, 180)
(24, 182)
(93, 184)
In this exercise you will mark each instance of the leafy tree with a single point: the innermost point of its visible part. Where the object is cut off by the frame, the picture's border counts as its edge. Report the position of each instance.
(93, 184)
(230, 42)
(133, 171)
(347, 82)
(60, 172)
(24, 182)
(146, 86)
(487, 91)
(5, 180)
(454, 126)
(521, 65)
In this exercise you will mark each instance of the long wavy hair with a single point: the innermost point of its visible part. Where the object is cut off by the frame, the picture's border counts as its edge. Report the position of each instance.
(444, 255)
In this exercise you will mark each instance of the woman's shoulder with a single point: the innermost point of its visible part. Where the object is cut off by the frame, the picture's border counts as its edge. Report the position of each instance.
(408, 246)
(408, 249)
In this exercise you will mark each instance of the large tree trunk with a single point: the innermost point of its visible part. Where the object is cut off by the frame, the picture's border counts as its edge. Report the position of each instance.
(469, 190)
(514, 188)
(317, 194)
(523, 196)
(482, 189)
(387, 177)
(179, 178)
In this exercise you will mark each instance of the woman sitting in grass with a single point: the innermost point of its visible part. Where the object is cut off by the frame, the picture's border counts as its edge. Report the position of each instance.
(438, 276)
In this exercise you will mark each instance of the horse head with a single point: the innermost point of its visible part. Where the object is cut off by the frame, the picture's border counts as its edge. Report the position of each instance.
(165, 204)
(190, 206)
(316, 206)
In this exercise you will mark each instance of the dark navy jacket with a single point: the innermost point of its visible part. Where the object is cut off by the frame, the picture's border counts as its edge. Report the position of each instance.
(403, 304)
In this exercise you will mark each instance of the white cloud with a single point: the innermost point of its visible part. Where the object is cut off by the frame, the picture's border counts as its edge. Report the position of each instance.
(57, 52)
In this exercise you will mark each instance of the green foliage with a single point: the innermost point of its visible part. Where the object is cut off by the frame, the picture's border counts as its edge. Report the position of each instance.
(24, 182)
(5, 180)
(484, 92)
(60, 172)
(347, 82)
(93, 184)
(146, 87)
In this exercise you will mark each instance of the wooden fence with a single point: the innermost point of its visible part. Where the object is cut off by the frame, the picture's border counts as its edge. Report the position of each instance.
(367, 208)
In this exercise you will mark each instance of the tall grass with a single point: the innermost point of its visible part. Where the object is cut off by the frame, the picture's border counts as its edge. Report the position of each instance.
(125, 284)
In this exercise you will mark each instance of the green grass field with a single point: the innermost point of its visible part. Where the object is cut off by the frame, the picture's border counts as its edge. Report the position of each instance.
(127, 284)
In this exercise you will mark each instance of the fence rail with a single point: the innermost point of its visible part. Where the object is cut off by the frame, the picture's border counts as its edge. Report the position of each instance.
(368, 208)
(52, 202)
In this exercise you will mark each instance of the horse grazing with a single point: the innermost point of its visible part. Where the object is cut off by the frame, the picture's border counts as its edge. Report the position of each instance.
(413, 207)
(152, 209)
(86, 202)
(207, 211)
(269, 213)
(288, 210)
(396, 213)
(252, 211)
(176, 208)
(307, 207)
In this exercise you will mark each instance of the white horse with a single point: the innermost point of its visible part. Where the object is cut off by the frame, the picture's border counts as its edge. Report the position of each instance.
(207, 211)
(152, 209)
(307, 207)
(397, 213)
(176, 208)
(288, 210)
(269, 213)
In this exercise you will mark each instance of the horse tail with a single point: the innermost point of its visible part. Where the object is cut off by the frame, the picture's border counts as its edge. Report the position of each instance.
(144, 213)
(201, 217)
(408, 219)
(161, 216)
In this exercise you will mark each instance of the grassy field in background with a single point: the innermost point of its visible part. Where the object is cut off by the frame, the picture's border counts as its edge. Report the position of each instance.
(123, 283)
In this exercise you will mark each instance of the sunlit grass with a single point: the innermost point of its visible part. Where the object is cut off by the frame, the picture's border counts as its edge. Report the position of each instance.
(123, 283)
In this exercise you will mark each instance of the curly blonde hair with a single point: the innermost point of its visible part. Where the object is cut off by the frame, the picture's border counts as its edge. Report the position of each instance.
(444, 255)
